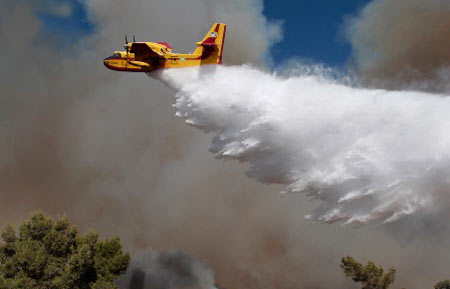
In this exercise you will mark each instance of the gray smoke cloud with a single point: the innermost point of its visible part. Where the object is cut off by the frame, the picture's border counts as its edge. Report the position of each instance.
(249, 34)
(167, 270)
(402, 44)
(106, 149)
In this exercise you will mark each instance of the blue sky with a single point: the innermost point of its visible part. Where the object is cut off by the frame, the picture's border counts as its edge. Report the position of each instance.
(312, 28)
(67, 26)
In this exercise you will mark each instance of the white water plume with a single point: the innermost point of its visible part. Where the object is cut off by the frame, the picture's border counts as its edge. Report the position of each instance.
(368, 155)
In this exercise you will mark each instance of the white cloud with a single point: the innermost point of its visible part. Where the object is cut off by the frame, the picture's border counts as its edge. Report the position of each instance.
(63, 9)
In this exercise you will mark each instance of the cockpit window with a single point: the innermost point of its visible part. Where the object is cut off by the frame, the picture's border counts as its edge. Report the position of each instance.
(114, 56)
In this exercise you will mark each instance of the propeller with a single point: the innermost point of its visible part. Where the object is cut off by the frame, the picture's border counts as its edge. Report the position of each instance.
(126, 44)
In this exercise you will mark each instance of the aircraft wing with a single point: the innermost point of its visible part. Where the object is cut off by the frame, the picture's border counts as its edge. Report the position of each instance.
(143, 50)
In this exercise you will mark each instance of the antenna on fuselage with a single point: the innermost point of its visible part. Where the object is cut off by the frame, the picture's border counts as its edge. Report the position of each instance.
(134, 38)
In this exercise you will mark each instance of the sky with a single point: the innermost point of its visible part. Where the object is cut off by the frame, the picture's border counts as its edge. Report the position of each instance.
(312, 29)
(66, 19)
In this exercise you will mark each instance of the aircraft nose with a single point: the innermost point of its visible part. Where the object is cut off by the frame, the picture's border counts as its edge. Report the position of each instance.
(106, 63)
(106, 60)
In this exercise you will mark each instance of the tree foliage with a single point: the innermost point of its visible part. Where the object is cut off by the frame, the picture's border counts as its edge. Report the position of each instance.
(369, 276)
(50, 254)
(442, 285)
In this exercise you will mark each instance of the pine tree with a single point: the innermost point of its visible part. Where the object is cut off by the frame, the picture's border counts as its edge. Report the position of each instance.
(369, 276)
(442, 285)
(51, 254)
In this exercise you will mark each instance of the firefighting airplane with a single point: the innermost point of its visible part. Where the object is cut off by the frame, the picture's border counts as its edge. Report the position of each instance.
(150, 56)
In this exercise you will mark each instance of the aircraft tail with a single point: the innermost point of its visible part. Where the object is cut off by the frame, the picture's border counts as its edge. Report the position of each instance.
(211, 47)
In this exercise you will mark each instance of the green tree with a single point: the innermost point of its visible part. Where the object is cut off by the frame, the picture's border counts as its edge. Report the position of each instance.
(50, 254)
(442, 285)
(369, 276)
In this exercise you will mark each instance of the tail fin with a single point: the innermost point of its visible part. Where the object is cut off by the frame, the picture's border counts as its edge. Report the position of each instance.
(211, 47)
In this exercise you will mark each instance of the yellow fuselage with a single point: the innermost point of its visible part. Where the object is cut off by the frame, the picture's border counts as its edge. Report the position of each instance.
(150, 56)
(123, 61)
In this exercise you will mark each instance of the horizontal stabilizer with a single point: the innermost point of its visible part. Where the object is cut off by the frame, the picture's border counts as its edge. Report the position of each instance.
(215, 36)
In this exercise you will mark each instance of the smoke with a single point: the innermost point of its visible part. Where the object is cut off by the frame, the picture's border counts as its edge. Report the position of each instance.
(402, 44)
(249, 34)
(72, 131)
(106, 149)
(63, 9)
(167, 270)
